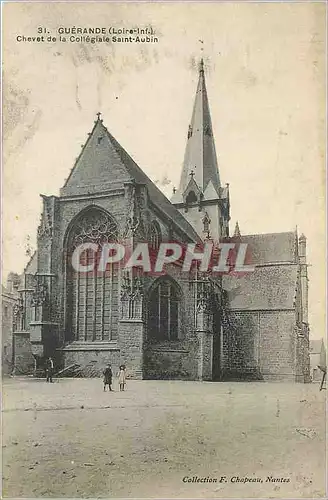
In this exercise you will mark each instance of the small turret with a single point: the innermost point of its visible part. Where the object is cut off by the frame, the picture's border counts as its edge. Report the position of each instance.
(237, 231)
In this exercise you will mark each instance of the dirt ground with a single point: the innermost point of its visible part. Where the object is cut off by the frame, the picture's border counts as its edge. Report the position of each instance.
(70, 439)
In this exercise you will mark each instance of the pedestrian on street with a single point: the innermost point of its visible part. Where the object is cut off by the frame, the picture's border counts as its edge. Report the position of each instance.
(108, 376)
(122, 377)
(49, 369)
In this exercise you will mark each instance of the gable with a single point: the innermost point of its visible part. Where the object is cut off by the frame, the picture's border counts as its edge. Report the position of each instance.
(192, 186)
(103, 164)
(98, 167)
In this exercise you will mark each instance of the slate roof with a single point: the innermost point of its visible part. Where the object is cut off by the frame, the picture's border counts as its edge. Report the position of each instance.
(103, 164)
(271, 247)
(273, 283)
(268, 287)
(98, 168)
(32, 265)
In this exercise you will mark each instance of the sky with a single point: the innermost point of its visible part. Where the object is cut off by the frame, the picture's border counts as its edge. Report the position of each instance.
(265, 76)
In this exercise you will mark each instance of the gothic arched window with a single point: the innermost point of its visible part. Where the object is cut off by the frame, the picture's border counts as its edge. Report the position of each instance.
(164, 311)
(191, 197)
(92, 298)
(155, 237)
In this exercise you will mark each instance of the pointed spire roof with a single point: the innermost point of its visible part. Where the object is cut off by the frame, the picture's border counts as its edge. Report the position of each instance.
(210, 192)
(200, 154)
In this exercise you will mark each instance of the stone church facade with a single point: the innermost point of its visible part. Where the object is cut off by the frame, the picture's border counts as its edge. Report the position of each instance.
(176, 325)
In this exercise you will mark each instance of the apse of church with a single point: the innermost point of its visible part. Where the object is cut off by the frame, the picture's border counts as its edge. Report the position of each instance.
(88, 319)
(177, 324)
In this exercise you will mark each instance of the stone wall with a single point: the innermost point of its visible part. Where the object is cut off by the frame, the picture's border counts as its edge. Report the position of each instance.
(171, 360)
(24, 359)
(7, 335)
(87, 362)
(131, 339)
(260, 345)
(239, 345)
(205, 355)
(303, 370)
(277, 356)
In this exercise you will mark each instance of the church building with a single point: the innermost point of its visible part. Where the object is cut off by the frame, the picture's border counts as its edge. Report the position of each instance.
(177, 325)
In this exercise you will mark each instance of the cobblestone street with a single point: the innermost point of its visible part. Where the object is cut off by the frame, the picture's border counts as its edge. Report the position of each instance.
(70, 439)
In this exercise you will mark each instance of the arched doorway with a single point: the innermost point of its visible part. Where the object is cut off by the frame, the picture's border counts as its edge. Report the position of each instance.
(164, 311)
(92, 298)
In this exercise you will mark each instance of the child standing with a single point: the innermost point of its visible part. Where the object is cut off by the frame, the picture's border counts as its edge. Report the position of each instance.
(108, 377)
(122, 377)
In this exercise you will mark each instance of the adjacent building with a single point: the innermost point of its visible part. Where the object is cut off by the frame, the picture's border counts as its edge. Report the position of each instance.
(9, 304)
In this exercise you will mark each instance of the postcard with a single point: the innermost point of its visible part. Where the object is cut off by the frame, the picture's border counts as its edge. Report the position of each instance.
(163, 279)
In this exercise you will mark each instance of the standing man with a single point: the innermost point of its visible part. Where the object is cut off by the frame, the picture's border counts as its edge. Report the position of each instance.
(49, 369)
(108, 376)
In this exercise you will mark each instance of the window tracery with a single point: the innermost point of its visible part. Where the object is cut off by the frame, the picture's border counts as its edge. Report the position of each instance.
(163, 319)
(155, 237)
(92, 298)
(95, 227)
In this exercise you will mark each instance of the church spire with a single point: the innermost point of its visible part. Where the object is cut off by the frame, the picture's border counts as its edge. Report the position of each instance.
(200, 191)
(200, 154)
